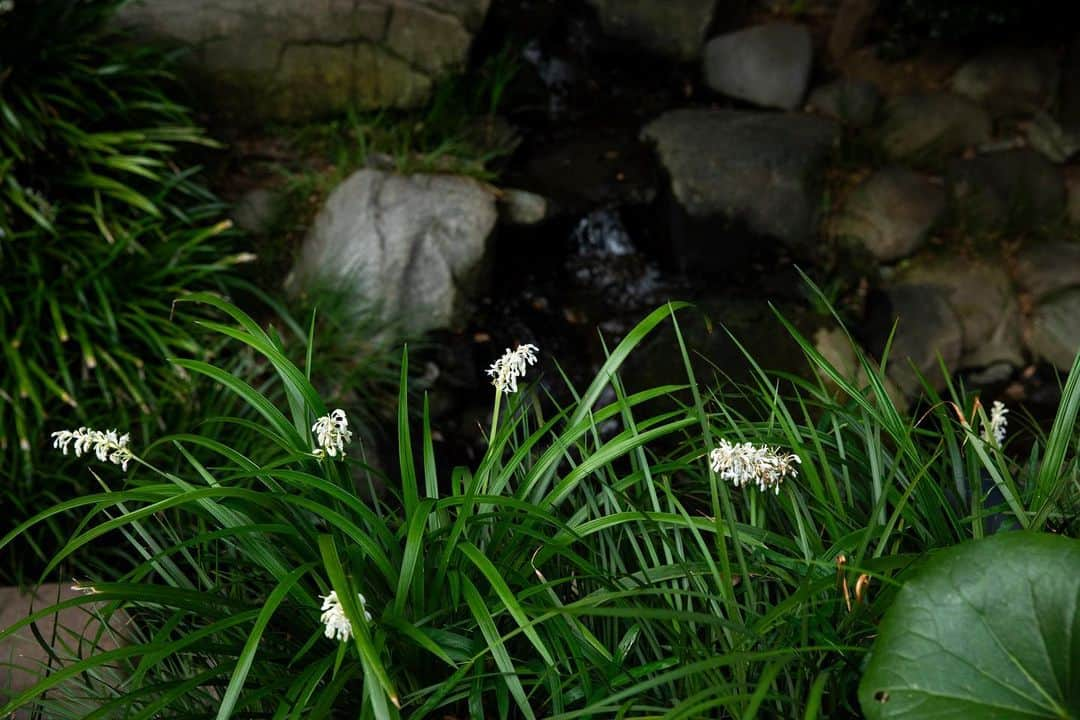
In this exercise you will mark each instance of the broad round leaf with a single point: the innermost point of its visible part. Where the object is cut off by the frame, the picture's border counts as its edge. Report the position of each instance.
(987, 629)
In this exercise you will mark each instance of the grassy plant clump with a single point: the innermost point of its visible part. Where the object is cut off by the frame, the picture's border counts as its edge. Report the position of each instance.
(656, 555)
(102, 223)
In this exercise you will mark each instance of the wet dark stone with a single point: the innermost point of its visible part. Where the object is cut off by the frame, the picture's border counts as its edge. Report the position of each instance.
(927, 328)
(1007, 189)
(739, 180)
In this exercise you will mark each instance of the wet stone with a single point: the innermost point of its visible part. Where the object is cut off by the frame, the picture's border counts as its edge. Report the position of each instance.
(836, 347)
(1045, 268)
(853, 102)
(734, 173)
(891, 213)
(981, 295)
(1010, 188)
(1054, 333)
(1009, 80)
(674, 28)
(932, 125)
(767, 65)
(927, 328)
(520, 207)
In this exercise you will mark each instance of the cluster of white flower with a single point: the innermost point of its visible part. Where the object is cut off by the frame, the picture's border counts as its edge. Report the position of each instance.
(331, 433)
(506, 370)
(745, 463)
(333, 617)
(108, 446)
(994, 432)
(6, 6)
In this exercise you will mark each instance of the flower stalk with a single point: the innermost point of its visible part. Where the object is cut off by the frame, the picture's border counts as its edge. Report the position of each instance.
(108, 446)
(332, 434)
(746, 463)
(504, 374)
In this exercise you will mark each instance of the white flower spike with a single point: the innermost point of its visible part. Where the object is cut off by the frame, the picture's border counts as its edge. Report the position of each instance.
(333, 617)
(331, 433)
(108, 446)
(745, 463)
(995, 431)
(506, 370)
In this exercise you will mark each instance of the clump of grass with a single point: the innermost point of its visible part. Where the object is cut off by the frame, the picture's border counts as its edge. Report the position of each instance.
(572, 572)
(103, 221)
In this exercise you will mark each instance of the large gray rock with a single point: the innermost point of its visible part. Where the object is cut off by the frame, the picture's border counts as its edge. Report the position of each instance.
(757, 170)
(297, 59)
(768, 65)
(1018, 188)
(1045, 268)
(1054, 334)
(411, 246)
(675, 28)
(891, 213)
(982, 297)
(927, 328)
(1009, 80)
(851, 101)
(932, 125)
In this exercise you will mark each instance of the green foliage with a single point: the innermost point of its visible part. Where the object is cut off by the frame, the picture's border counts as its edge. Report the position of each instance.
(100, 226)
(990, 628)
(591, 565)
(103, 223)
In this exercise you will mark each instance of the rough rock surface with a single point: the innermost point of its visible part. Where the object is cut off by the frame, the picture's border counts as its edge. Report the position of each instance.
(411, 246)
(21, 655)
(926, 327)
(836, 347)
(1054, 333)
(768, 65)
(934, 124)
(890, 213)
(994, 190)
(675, 28)
(297, 59)
(982, 297)
(852, 102)
(1046, 268)
(759, 170)
(1009, 80)
(521, 207)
